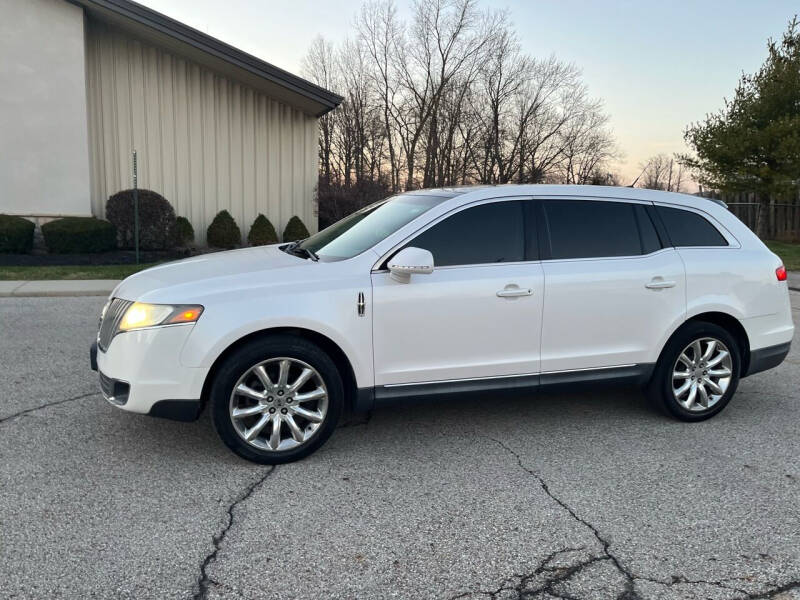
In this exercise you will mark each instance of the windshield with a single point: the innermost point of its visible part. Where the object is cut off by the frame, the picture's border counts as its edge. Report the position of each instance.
(368, 226)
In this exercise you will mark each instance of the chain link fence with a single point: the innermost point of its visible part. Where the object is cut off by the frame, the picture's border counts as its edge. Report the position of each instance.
(771, 219)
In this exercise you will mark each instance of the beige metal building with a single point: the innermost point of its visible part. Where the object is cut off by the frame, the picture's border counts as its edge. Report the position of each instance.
(84, 82)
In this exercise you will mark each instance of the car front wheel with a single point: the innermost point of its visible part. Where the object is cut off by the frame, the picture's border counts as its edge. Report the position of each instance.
(276, 400)
(697, 373)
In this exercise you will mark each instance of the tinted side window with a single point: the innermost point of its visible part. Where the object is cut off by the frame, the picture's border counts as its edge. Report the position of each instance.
(489, 233)
(647, 231)
(686, 228)
(585, 229)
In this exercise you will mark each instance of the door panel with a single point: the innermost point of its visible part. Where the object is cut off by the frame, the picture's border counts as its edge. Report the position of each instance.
(610, 311)
(452, 324)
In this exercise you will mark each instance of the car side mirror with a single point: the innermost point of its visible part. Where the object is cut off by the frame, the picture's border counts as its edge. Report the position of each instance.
(410, 260)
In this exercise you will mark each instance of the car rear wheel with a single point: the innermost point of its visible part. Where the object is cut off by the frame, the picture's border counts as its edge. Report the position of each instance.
(276, 400)
(697, 373)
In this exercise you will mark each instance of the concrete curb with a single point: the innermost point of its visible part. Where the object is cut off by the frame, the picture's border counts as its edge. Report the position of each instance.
(56, 288)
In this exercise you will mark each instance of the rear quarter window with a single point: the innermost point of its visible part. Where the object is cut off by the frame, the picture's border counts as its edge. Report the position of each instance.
(686, 228)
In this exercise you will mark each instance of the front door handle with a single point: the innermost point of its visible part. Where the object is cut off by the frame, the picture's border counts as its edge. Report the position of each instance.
(514, 292)
(659, 284)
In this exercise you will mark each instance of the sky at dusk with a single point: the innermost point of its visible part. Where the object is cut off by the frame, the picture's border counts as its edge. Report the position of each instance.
(657, 65)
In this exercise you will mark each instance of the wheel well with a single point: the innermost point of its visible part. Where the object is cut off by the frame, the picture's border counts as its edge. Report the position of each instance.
(731, 325)
(326, 344)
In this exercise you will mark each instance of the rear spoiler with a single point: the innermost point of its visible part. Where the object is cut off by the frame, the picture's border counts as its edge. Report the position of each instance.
(718, 201)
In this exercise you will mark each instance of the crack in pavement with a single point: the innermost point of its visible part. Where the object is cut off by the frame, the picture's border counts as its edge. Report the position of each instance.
(773, 593)
(563, 574)
(204, 581)
(776, 590)
(629, 593)
(680, 580)
(22, 413)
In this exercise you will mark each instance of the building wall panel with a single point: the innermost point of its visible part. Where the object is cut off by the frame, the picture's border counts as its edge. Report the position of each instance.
(45, 163)
(204, 141)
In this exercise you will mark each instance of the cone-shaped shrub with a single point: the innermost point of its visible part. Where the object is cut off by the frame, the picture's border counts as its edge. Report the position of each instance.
(262, 232)
(184, 232)
(295, 230)
(223, 231)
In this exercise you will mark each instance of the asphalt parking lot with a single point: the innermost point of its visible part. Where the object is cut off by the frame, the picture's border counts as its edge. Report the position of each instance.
(556, 496)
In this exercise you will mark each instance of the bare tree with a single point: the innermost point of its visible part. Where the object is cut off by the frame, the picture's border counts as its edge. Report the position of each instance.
(450, 98)
(319, 66)
(586, 145)
(662, 172)
(381, 34)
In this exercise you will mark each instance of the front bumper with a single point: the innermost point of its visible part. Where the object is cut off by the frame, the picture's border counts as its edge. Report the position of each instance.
(141, 372)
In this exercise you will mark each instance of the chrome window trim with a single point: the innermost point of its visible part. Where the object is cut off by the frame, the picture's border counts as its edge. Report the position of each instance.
(558, 260)
(624, 257)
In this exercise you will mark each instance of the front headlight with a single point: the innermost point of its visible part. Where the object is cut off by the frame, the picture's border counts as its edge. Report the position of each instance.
(140, 315)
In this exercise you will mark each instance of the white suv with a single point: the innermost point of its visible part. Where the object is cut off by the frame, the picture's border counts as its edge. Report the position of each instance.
(448, 292)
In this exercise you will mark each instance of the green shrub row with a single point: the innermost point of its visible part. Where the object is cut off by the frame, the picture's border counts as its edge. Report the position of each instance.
(16, 234)
(78, 235)
(159, 229)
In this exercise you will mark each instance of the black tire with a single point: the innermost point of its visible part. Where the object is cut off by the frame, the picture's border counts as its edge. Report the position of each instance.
(253, 353)
(660, 388)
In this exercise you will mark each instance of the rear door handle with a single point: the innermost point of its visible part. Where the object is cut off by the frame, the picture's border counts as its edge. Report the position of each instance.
(515, 292)
(659, 285)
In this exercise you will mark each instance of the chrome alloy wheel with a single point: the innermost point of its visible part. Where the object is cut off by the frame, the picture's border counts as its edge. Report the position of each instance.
(278, 404)
(701, 374)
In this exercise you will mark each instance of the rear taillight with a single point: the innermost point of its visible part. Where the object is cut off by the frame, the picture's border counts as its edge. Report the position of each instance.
(780, 273)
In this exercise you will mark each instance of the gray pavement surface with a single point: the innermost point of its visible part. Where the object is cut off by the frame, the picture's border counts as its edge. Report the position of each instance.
(794, 280)
(586, 496)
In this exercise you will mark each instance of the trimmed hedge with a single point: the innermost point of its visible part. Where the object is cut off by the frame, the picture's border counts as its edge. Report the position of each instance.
(184, 232)
(79, 235)
(156, 220)
(262, 232)
(16, 234)
(295, 230)
(223, 231)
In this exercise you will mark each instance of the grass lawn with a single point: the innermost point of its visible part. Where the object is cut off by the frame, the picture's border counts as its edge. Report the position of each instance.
(71, 272)
(789, 253)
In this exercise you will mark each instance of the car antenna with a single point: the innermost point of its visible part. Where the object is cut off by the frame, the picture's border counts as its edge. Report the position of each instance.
(635, 181)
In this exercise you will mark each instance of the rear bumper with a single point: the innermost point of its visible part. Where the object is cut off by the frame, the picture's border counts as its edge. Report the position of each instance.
(767, 358)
